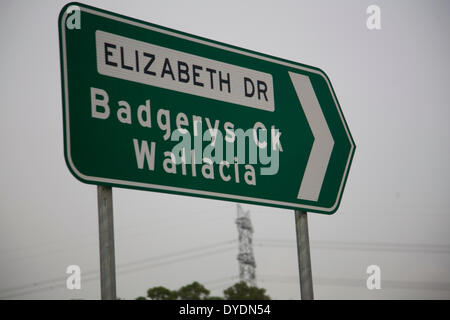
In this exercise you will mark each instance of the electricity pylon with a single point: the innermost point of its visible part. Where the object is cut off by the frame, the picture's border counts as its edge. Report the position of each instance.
(247, 265)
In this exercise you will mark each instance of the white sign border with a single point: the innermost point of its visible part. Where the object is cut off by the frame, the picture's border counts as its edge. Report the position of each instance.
(185, 190)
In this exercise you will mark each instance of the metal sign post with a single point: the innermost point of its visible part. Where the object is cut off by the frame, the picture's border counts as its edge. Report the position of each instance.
(304, 257)
(106, 237)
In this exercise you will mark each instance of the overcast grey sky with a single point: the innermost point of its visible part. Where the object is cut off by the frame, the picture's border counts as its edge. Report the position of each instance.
(392, 85)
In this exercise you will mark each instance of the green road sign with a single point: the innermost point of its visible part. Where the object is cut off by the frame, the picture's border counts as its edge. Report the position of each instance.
(151, 108)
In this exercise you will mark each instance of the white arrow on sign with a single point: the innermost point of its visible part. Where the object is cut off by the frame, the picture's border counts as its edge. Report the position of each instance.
(323, 140)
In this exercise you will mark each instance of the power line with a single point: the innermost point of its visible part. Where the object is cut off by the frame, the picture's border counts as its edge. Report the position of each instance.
(223, 282)
(46, 247)
(135, 269)
(360, 246)
(223, 285)
(94, 274)
(177, 256)
(180, 252)
(361, 283)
